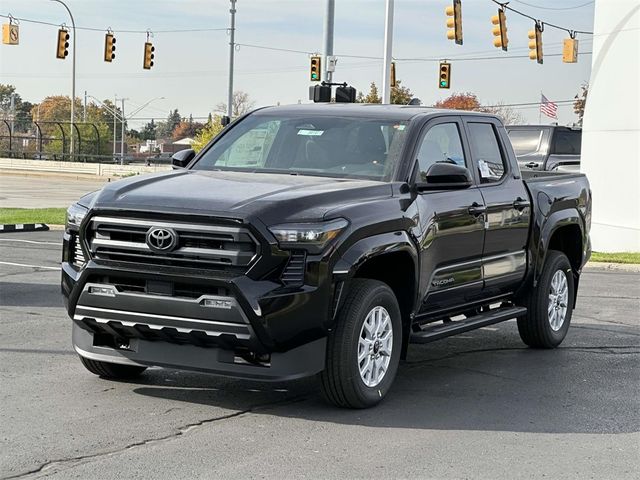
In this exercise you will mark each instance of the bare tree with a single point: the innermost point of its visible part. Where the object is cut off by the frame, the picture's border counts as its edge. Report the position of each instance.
(240, 104)
(508, 115)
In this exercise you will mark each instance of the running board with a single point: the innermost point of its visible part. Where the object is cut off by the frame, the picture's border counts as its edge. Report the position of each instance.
(436, 332)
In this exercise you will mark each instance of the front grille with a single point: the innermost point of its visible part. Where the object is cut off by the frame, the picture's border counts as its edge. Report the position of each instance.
(202, 246)
(77, 256)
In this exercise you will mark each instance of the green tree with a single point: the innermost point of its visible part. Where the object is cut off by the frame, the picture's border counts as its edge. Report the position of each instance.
(210, 130)
(149, 131)
(399, 95)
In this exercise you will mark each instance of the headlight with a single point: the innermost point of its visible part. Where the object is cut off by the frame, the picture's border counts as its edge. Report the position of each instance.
(313, 237)
(75, 215)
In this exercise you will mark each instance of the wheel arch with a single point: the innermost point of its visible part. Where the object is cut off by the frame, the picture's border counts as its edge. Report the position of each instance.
(381, 258)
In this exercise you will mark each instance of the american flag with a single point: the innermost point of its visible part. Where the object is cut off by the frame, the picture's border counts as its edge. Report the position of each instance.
(549, 108)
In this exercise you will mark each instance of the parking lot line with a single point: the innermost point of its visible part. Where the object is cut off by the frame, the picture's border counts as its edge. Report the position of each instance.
(29, 266)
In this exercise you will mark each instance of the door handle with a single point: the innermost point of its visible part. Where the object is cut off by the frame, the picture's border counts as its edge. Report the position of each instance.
(531, 165)
(520, 204)
(476, 209)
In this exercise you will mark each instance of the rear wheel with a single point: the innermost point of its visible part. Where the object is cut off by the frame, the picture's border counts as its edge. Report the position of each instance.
(112, 370)
(550, 305)
(363, 351)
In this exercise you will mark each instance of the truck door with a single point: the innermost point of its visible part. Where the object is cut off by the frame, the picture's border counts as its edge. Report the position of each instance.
(451, 222)
(504, 257)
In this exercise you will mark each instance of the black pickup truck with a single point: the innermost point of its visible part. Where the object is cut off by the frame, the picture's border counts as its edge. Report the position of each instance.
(323, 240)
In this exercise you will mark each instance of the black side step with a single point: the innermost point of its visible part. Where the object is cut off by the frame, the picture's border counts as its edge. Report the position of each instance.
(439, 331)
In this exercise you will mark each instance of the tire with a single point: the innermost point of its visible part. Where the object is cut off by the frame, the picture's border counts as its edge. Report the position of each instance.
(539, 328)
(342, 382)
(112, 370)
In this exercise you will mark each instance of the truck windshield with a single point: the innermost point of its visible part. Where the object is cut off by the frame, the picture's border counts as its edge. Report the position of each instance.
(334, 146)
(526, 141)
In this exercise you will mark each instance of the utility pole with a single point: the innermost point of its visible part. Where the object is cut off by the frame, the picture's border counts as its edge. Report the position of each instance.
(388, 50)
(73, 76)
(115, 100)
(232, 49)
(84, 114)
(122, 133)
(12, 109)
(328, 38)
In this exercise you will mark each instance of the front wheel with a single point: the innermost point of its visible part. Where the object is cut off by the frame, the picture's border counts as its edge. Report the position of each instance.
(363, 351)
(549, 305)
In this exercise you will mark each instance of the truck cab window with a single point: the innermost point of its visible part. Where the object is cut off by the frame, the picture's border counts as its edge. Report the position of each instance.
(567, 142)
(486, 153)
(441, 143)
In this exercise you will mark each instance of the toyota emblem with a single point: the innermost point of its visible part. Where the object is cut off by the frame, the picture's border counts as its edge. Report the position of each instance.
(161, 240)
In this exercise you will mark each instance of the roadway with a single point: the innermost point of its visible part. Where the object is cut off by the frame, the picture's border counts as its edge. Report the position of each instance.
(480, 405)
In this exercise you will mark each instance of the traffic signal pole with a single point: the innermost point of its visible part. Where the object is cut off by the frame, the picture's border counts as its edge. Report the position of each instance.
(232, 48)
(328, 38)
(73, 76)
(388, 49)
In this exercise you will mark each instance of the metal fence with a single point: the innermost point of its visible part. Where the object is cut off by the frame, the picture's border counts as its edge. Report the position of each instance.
(50, 140)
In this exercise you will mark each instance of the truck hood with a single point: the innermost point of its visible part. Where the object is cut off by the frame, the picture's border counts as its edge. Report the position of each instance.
(271, 197)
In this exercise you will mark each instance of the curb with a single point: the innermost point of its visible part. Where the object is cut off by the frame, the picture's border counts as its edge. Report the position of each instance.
(23, 227)
(617, 267)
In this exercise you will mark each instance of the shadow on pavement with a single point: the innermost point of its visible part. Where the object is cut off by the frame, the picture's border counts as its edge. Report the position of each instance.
(585, 387)
(23, 294)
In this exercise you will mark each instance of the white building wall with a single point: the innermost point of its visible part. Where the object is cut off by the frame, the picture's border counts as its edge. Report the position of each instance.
(611, 127)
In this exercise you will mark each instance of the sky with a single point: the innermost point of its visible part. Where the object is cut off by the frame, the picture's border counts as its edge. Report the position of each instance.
(191, 68)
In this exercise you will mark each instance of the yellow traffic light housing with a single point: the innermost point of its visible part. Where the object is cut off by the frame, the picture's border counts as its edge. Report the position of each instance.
(109, 47)
(454, 21)
(148, 55)
(10, 33)
(63, 44)
(535, 43)
(570, 50)
(500, 30)
(314, 72)
(444, 80)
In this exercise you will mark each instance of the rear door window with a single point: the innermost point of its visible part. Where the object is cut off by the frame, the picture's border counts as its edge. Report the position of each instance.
(485, 150)
(526, 142)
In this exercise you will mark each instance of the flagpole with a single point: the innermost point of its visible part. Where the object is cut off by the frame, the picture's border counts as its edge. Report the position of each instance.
(540, 110)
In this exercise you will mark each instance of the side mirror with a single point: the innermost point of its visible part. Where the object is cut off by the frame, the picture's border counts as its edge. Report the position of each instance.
(225, 120)
(445, 176)
(182, 158)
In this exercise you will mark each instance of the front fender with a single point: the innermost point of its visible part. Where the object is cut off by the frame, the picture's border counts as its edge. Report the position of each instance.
(370, 247)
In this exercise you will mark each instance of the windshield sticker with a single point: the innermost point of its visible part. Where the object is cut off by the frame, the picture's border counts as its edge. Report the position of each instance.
(399, 127)
(311, 133)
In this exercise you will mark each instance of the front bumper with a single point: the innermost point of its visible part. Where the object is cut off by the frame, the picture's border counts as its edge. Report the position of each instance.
(283, 329)
(299, 362)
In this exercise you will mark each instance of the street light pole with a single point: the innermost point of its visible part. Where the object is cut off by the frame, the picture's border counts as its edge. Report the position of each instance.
(115, 100)
(388, 50)
(73, 75)
(232, 48)
(328, 37)
(122, 134)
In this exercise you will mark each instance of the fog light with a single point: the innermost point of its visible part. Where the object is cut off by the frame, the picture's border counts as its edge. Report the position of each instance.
(214, 303)
(107, 291)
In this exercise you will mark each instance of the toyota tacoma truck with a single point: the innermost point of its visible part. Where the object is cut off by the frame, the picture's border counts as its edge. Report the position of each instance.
(323, 240)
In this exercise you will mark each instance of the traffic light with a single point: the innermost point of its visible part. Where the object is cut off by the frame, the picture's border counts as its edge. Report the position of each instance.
(315, 69)
(393, 74)
(63, 44)
(148, 55)
(445, 75)
(345, 94)
(535, 43)
(454, 21)
(109, 47)
(500, 30)
(570, 50)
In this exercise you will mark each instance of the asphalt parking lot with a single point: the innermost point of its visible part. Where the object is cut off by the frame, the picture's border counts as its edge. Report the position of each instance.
(480, 405)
